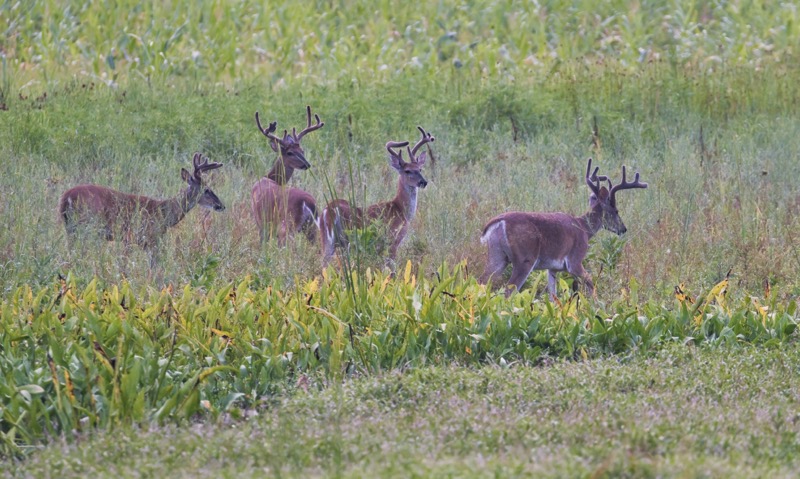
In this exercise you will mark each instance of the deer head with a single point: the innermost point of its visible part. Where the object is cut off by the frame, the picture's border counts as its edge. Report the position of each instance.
(603, 200)
(288, 147)
(198, 193)
(411, 171)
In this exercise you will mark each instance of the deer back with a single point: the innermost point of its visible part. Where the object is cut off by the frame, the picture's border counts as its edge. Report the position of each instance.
(274, 203)
(138, 219)
(545, 240)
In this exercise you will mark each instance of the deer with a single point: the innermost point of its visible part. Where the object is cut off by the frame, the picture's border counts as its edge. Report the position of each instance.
(553, 241)
(395, 214)
(136, 219)
(275, 205)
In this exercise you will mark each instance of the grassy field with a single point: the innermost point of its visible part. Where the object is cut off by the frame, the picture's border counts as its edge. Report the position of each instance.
(682, 413)
(700, 98)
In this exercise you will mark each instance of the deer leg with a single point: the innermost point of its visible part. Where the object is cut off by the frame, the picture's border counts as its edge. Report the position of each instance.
(391, 260)
(328, 246)
(581, 275)
(496, 262)
(519, 274)
(282, 234)
(261, 235)
(552, 283)
(310, 231)
(308, 222)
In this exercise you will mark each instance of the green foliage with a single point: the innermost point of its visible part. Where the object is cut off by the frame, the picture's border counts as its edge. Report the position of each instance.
(682, 412)
(76, 358)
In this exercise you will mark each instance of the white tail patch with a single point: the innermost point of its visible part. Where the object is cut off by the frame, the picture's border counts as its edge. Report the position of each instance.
(490, 231)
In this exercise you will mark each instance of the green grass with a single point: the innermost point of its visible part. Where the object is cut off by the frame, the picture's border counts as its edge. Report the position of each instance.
(700, 99)
(683, 412)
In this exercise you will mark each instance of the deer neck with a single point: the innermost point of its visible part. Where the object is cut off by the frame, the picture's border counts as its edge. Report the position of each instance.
(280, 173)
(174, 209)
(406, 200)
(592, 221)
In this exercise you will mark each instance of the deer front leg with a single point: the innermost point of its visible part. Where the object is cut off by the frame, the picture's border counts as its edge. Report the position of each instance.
(581, 275)
(391, 260)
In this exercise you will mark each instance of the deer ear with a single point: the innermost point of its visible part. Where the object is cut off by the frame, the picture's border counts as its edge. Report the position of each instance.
(397, 162)
(421, 158)
(600, 197)
(274, 145)
(185, 175)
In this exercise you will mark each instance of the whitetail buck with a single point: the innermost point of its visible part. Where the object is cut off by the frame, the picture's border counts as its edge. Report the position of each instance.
(132, 218)
(396, 214)
(552, 241)
(276, 206)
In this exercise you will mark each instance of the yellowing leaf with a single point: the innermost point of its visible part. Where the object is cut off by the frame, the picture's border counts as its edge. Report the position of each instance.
(718, 292)
(407, 273)
(222, 333)
(681, 295)
(312, 286)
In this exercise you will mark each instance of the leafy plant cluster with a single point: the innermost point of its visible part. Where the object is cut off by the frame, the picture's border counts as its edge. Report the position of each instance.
(78, 357)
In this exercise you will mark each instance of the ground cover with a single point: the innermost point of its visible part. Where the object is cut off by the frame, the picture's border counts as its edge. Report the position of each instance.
(700, 98)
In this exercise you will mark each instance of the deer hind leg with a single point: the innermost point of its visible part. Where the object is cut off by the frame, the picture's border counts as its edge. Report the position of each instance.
(327, 238)
(496, 263)
(497, 253)
(519, 274)
(261, 235)
(282, 232)
(552, 284)
(308, 222)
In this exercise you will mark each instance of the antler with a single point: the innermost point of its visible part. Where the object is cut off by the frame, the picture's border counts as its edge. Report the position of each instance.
(625, 185)
(309, 127)
(269, 132)
(426, 138)
(396, 144)
(594, 180)
(199, 168)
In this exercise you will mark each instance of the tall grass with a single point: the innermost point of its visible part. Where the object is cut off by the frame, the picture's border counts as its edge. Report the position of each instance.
(717, 150)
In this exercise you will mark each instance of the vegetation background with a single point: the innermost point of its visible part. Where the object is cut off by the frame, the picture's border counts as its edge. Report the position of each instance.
(699, 97)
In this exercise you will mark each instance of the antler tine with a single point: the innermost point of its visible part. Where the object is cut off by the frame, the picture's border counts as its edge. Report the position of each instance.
(625, 185)
(593, 181)
(309, 127)
(426, 138)
(199, 167)
(269, 132)
(395, 144)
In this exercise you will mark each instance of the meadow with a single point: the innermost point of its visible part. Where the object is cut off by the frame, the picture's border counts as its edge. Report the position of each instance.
(229, 339)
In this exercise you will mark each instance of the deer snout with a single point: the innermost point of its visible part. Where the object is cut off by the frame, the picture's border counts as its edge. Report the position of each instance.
(219, 207)
(422, 183)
